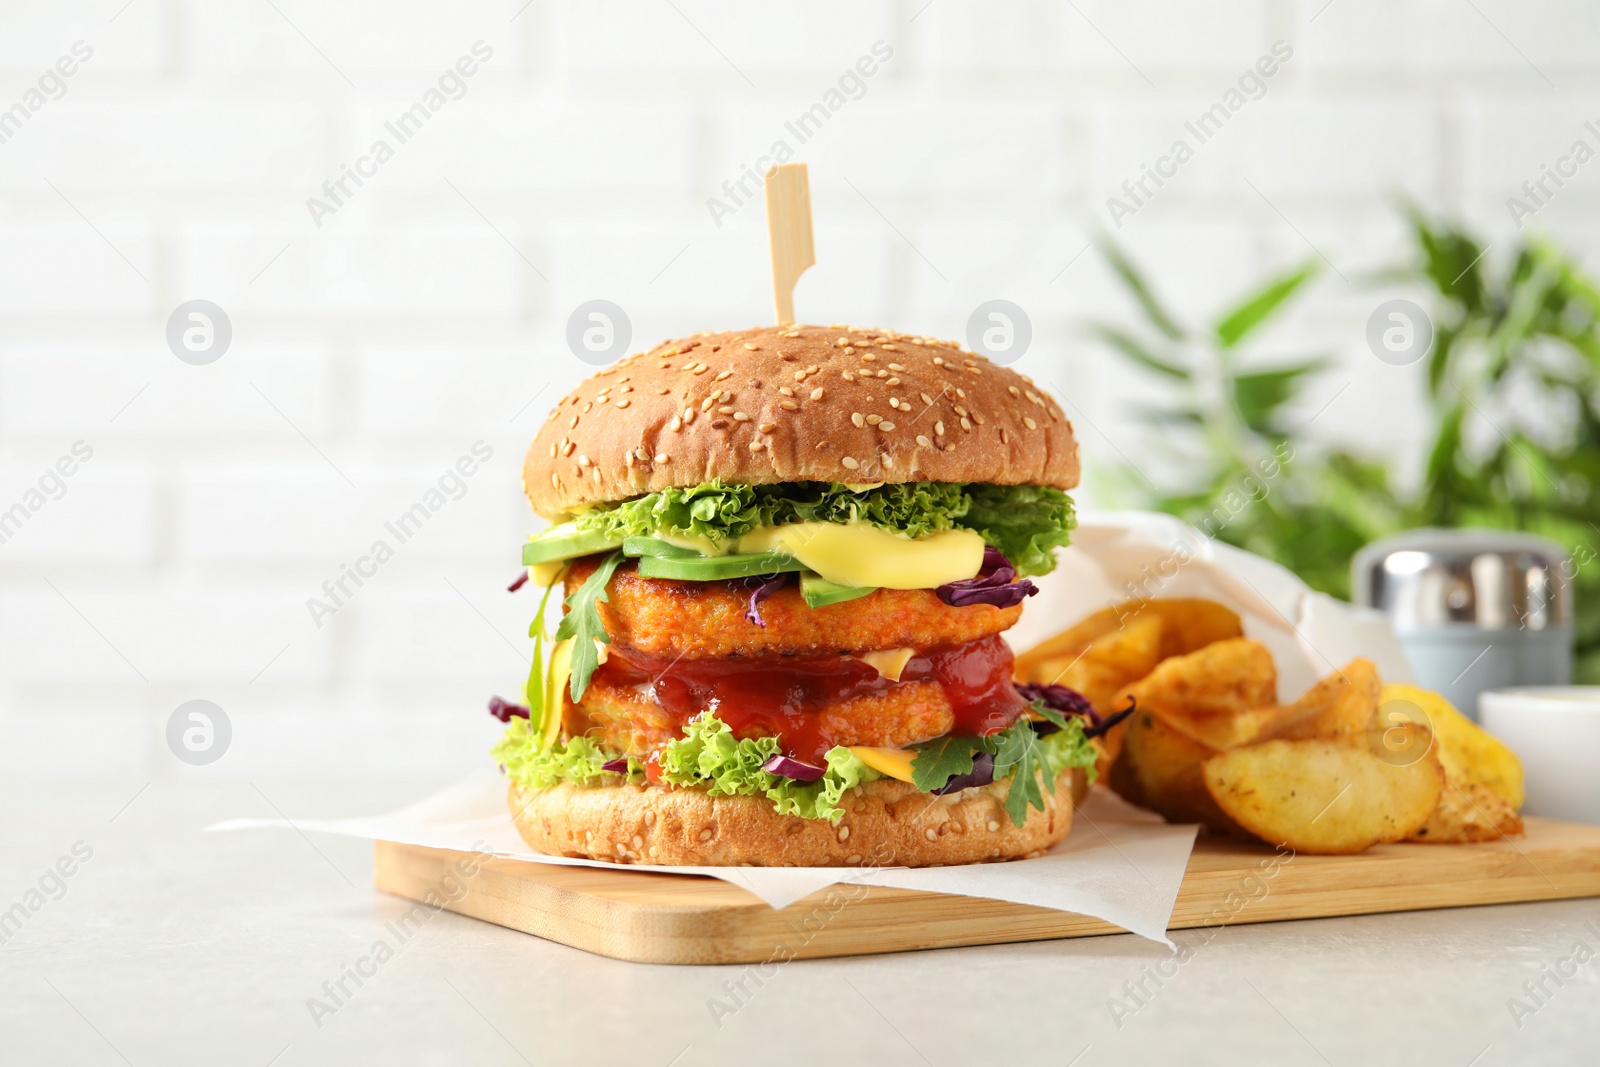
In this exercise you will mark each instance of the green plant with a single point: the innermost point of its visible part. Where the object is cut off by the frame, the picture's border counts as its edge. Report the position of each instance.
(1513, 387)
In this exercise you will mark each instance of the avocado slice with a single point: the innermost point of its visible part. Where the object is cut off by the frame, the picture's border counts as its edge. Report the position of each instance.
(565, 543)
(819, 592)
(712, 568)
(655, 547)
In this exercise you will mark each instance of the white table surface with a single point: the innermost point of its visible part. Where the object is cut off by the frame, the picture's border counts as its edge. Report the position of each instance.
(174, 947)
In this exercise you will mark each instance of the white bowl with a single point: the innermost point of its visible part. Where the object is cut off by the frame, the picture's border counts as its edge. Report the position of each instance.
(1555, 730)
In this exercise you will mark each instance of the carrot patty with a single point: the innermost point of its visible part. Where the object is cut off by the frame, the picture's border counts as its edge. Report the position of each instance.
(704, 620)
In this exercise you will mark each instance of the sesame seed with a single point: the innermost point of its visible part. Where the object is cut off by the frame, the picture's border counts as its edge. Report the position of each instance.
(932, 836)
(701, 369)
(789, 405)
(573, 423)
(624, 402)
(663, 391)
(755, 446)
(748, 347)
(926, 399)
(726, 409)
(993, 826)
(950, 447)
(676, 424)
(567, 451)
(799, 375)
(841, 342)
(816, 394)
(688, 416)
(887, 460)
(966, 424)
(923, 440)
(624, 388)
(597, 474)
(584, 461)
(889, 347)
(552, 450)
(938, 428)
(938, 361)
(868, 357)
(662, 457)
(739, 416)
(785, 390)
(790, 333)
(960, 410)
(722, 374)
(962, 393)
(977, 418)
(883, 374)
(873, 420)
(555, 481)
(850, 462)
(709, 402)
(1013, 390)
(1033, 397)
(855, 417)
(719, 424)
(1005, 438)
(628, 459)
(894, 381)
(847, 376)
(885, 426)
(896, 366)
(767, 427)
(849, 351)
(600, 400)
(1029, 423)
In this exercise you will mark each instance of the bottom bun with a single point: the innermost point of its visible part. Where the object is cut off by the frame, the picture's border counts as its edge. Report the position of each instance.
(887, 823)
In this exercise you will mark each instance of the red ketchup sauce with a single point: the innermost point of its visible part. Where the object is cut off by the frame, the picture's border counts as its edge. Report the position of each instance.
(783, 696)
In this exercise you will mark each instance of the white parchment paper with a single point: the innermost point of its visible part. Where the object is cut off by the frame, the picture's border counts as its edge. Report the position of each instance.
(1119, 864)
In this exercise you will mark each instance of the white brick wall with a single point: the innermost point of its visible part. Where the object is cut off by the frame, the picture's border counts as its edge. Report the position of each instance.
(379, 346)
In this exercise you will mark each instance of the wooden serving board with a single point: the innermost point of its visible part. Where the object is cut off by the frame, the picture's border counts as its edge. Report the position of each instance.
(664, 918)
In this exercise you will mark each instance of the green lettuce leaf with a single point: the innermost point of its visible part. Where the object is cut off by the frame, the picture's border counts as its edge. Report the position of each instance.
(1023, 521)
(709, 756)
(578, 761)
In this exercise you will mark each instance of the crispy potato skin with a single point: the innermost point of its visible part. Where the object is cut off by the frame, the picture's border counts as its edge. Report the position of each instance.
(627, 718)
(705, 620)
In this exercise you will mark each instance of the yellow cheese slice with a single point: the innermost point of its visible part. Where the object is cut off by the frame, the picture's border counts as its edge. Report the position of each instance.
(864, 556)
(891, 762)
(889, 663)
(555, 690)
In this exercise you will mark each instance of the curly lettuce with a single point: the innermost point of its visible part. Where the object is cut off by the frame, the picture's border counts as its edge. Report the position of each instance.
(1023, 521)
(709, 757)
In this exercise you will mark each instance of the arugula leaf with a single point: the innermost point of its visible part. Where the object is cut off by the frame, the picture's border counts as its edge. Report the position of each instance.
(582, 623)
(937, 761)
(1049, 714)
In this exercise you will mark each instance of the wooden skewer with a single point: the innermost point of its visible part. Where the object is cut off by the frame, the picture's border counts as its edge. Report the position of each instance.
(789, 228)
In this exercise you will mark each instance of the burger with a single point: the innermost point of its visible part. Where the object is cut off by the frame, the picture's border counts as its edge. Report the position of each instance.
(787, 558)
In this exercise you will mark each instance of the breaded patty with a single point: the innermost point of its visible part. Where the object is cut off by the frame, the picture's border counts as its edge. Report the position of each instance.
(626, 718)
(703, 620)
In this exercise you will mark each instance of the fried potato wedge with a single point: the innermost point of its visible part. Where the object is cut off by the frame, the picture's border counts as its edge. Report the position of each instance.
(1160, 769)
(1341, 705)
(1468, 812)
(1222, 679)
(1106, 664)
(1469, 753)
(1187, 625)
(1328, 797)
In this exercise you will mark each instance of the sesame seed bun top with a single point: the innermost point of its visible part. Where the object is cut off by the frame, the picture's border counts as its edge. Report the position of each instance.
(794, 404)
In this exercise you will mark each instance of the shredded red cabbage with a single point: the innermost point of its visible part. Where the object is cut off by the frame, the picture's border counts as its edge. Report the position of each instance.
(1114, 719)
(784, 767)
(996, 584)
(616, 766)
(505, 711)
(1059, 698)
(767, 587)
(521, 580)
(982, 773)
